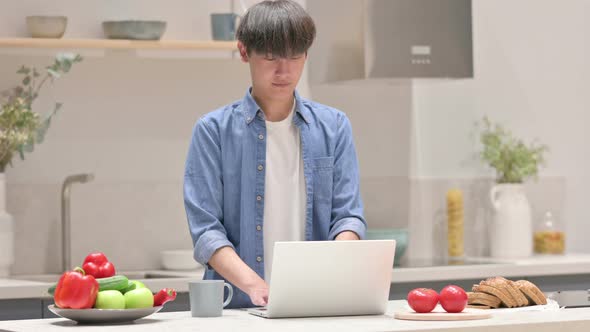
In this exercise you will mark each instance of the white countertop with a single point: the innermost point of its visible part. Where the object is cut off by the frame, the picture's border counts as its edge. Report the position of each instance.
(531, 267)
(545, 265)
(239, 320)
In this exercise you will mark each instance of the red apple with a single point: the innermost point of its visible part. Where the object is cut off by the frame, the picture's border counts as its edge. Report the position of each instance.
(453, 298)
(422, 300)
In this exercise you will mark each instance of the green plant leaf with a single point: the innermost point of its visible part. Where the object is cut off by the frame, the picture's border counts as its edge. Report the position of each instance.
(21, 128)
(29, 147)
(513, 160)
(23, 70)
(57, 107)
(53, 72)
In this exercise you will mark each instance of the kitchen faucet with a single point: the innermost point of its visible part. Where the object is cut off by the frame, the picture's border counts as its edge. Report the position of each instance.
(65, 217)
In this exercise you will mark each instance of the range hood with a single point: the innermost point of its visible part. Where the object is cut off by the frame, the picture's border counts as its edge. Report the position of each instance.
(375, 39)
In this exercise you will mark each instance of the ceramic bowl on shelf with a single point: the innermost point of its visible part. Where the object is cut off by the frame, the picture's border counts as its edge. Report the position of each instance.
(178, 260)
(400, 235)
(47, 26)
(136, 30)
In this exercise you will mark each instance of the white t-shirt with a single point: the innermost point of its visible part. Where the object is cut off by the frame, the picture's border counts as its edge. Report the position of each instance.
(284, 188)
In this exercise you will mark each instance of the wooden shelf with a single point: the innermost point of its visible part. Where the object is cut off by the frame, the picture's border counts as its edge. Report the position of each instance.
(118, 44)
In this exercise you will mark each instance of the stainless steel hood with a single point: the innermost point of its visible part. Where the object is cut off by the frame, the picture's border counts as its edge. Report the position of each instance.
(374, 39)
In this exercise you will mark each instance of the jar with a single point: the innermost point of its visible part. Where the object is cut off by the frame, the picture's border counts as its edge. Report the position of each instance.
(548, 237)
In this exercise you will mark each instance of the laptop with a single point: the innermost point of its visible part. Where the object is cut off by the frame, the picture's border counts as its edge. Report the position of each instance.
(329, 278)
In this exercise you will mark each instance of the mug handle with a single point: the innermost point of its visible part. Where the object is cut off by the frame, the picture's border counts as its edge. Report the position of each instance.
(229, 295)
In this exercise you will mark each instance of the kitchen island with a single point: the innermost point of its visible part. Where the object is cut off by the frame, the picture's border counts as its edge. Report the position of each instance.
(239, 320)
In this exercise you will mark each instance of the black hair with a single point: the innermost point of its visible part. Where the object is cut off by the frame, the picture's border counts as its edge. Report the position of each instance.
(280, 28)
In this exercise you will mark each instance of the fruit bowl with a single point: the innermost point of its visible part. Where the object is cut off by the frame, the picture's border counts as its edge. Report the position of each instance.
(102, 316)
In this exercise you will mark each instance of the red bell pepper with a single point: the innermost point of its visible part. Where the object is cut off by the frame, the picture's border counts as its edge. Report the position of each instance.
(76, 290)
(163, 296)
(97, 265)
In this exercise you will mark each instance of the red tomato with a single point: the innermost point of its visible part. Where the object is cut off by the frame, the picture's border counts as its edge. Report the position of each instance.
(422, 299)
(453, 298)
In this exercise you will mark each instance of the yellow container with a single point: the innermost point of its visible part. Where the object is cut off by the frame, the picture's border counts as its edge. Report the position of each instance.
(455, 223)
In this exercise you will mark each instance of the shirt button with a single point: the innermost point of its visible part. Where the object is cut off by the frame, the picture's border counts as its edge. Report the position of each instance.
(258, 227)
(261, 137)
(248, 119)
(258, 198)
(260, 167)
(259, 259)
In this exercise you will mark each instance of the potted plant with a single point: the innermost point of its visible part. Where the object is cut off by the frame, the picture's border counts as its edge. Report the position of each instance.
(20, 129)
(514, 162)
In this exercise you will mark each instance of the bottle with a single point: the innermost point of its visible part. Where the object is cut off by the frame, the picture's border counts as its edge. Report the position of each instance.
(455, 224)
(548, 238)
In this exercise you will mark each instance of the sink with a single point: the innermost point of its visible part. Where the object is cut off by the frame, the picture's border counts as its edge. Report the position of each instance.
(131, 275)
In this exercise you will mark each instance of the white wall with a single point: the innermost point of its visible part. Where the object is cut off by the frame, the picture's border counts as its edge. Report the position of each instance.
(531, 74)
(380, 115)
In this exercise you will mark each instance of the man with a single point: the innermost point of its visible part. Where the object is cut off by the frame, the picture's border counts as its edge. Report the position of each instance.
(272, 166)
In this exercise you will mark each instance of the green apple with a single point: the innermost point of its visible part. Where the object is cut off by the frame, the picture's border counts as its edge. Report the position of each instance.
(138, 284)
(110, 299)
(139, 298)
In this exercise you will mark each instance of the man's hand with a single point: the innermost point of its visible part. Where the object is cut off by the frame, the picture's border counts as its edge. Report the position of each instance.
(227, 263)
(347, 235)
(259, 294)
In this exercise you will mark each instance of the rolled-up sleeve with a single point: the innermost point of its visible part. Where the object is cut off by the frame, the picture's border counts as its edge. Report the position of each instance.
(347, 206)
(203, 193)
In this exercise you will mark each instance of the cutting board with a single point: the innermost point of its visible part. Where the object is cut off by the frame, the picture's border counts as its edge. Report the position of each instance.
(439, 314)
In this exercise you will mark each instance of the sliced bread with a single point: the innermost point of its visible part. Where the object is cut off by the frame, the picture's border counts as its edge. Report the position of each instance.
(532, 292)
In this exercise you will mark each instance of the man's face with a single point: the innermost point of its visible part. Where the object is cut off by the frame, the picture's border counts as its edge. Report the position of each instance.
(274, 77)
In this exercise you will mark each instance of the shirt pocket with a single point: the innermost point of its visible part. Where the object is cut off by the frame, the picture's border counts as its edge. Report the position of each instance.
(323, 179)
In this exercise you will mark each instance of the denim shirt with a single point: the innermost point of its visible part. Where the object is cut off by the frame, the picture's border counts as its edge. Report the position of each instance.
(224, 185)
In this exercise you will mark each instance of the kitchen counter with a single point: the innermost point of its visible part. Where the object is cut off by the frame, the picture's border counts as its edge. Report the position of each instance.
(239, 320)
(545, 265)
(537, 266)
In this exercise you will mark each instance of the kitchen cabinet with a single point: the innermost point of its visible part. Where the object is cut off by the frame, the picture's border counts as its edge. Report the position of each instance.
(20, 309)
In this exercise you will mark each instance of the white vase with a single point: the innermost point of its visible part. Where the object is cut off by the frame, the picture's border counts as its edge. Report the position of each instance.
(511, 231)
(6, 232)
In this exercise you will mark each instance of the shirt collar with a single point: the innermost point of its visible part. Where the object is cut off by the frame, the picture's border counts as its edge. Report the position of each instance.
(251, 108)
